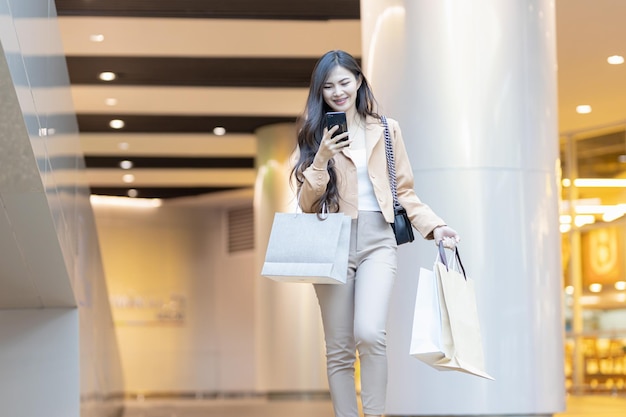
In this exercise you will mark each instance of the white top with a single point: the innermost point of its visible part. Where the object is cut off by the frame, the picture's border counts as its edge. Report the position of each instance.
(367, 198)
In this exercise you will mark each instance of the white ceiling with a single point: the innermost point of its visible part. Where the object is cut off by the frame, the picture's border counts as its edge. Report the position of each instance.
(588, 31)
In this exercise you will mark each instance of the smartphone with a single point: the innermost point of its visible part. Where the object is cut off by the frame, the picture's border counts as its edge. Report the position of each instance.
(337, 118)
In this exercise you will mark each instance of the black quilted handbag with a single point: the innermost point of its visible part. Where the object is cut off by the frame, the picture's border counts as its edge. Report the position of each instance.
(401, 226)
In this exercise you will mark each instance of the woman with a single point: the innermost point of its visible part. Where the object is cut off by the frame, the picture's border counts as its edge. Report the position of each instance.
(350, 176)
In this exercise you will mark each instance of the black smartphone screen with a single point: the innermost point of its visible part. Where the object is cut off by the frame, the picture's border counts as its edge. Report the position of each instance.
(337, 118)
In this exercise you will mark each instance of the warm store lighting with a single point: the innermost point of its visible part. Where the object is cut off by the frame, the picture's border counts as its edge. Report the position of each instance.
(591, 209)
(599, 182)
(609, 212)
(128, 178)
(102, 200)
(584, 219)
(614, 213)
(620, 285)
(615, 60)
(595, 287)
(579, 221)
(583, 109)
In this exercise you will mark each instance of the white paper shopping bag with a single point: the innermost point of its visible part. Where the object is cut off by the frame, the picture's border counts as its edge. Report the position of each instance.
(426, 335)
(303, 247)
(446, 330)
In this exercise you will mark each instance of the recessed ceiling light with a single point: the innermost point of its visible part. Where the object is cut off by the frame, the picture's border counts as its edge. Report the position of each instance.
(128, 178)
(98, 37)
(583, 109)
(219, 131)
(132, 193)
(110, 101)
(620, 285)
(126, 164)
(107, 76)
(615, 60)
(116, 123)
(595, 287)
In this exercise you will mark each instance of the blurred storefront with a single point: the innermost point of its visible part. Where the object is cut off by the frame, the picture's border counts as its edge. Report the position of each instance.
(593, 227)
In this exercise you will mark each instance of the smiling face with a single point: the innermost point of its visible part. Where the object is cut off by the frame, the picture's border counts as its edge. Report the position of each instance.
(340, 90)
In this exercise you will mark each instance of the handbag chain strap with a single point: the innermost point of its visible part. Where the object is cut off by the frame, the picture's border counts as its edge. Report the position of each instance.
(391, 163)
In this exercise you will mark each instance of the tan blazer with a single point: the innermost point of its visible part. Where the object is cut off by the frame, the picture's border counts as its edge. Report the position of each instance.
(316, 180)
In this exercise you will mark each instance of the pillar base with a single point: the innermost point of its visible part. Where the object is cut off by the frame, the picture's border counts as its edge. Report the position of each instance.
(475, 415)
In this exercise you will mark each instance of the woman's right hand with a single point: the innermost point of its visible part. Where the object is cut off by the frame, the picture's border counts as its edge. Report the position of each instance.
(330, 146)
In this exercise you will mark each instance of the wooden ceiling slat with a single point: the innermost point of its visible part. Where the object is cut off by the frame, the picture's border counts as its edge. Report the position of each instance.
(161, 162)
(159, 192)
(216, 9)
(182, 124)
(168, 71)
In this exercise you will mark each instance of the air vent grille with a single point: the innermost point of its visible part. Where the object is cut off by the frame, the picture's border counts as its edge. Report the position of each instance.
(240, 229)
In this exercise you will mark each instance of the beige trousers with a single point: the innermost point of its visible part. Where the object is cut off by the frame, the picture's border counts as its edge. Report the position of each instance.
(354, 316)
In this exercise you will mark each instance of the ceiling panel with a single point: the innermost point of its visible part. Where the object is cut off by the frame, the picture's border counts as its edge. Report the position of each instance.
(178, 124)
(193, 71)
(168, 144)
(181, 177)
(214, 9)
(187, 66)
(160, 192)
(184, 68)
(172, 37)
(189, 100)
(161, 162)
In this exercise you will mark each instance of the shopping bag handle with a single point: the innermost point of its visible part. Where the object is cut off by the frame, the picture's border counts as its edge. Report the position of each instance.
(444, 258)
(322, 216)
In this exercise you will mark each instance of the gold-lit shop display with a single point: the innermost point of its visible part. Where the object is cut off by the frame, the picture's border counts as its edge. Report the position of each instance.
(604, 363)
(602, 256)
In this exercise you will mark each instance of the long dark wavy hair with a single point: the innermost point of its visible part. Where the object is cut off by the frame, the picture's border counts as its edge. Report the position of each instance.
(312, 122)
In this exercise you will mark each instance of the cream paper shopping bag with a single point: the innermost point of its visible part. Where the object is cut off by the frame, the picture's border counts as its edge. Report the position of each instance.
(460, 331)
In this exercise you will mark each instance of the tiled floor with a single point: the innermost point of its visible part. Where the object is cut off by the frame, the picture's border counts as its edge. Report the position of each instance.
(589, 406)
(576, 407)
(230, 408)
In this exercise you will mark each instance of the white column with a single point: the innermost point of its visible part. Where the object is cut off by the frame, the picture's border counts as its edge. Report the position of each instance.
(289, 337)
(473, 85)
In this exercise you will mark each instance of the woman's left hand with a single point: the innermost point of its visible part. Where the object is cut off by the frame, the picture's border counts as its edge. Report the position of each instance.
(448, 235)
